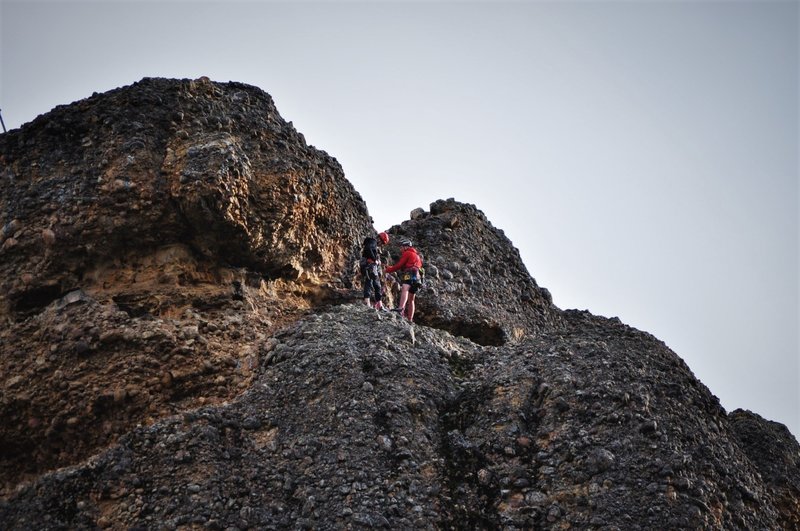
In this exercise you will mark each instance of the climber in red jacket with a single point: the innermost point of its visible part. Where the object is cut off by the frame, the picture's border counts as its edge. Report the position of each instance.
(409, 265)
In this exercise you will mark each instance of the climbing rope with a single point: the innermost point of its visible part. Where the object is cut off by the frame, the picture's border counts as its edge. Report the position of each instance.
(2, 122)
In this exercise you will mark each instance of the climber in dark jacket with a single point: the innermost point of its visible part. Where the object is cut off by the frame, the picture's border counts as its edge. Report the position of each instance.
(370, 269)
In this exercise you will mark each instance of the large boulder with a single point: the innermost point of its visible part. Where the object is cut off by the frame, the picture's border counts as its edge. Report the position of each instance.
(153, 237)
(209, 166)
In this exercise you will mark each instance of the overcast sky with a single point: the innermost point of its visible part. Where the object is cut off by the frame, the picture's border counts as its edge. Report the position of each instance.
(642, 156)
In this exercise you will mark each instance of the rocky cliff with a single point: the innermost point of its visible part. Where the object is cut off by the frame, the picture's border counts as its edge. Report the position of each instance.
(183, 347)
(151, 236)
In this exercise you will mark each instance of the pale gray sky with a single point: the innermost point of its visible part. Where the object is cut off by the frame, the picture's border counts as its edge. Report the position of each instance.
(643, 156)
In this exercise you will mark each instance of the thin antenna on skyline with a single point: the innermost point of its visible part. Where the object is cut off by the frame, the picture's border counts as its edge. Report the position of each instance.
(2, 122)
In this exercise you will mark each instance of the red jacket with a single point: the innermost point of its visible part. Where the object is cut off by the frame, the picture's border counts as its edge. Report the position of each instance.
(409, 259)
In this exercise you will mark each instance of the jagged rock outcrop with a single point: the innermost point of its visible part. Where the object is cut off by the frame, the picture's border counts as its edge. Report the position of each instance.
(477, 285)
(209, 364)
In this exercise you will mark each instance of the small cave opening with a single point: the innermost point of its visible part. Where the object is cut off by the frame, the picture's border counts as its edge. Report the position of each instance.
(133, 306)
(35, 299)
(485, 334)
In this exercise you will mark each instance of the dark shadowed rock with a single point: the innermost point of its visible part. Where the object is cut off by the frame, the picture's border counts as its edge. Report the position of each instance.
(351, 425)
(776, 455)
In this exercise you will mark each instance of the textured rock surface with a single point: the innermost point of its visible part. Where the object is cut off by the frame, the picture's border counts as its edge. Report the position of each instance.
(477, 285)
(153, 236)
(353, 420)
(201, 361)
(209, 166)
(773, 450)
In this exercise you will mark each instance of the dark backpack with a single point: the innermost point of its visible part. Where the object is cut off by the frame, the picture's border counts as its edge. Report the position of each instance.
(370, 249)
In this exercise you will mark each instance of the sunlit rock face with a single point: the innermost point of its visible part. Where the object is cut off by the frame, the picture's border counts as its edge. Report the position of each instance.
(184, 346)
(210, 166)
